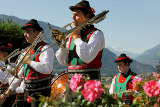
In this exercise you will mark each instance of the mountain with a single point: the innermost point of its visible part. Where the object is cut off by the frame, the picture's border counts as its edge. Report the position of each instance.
(109, 68)
(20, 21)
(119, 51)
(151, 56)
(141, 68)
(47, 32)
(108, 65)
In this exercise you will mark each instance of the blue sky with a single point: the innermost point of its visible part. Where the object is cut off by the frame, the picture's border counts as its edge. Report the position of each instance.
(131, 25)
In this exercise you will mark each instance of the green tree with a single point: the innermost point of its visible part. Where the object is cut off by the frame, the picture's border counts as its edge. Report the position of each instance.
(11, 32)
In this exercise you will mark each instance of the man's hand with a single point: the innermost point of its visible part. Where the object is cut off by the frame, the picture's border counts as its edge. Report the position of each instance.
(26, 60)
(2, 98)
(75, 34)
(5, 95)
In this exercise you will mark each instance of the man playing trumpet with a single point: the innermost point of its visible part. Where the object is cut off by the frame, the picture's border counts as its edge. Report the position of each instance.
(6, 47)
(84, 47)
(37, 66)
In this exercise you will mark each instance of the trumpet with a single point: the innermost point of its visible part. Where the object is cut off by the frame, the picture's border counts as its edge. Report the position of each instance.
(11, 55)
(61, 37)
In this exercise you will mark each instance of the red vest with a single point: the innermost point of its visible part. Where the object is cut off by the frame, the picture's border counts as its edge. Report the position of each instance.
(94, 64)
(30, 73)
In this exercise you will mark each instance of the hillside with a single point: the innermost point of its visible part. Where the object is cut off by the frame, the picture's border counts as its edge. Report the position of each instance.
(20, 21)
(118, 52)
(151, 56)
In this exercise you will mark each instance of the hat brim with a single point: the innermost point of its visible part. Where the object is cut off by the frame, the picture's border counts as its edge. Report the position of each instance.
(33, 27)
(127, 60)
(74, 8)
(25, 27)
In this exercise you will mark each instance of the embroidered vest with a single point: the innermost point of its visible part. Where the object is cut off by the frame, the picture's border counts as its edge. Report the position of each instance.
(29, 72)
(74, 62)
(121, 87)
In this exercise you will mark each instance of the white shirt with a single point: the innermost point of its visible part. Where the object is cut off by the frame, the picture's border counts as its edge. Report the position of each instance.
(112, 87)
(6, 77)
(45, 66)
(86, 51)
(2, 63)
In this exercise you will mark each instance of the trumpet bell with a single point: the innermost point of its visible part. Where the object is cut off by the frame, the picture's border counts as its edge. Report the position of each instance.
(58, 37)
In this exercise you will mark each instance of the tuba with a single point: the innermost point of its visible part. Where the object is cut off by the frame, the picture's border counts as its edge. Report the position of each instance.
(60, 37)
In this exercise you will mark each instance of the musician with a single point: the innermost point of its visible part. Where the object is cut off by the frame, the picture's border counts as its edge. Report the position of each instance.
(5, 77)
(123, 80)
(5, 49)
(37, 66)
(84, 48)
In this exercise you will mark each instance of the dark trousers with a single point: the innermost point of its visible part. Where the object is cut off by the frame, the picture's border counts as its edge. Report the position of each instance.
(9, 101)
(22, 100)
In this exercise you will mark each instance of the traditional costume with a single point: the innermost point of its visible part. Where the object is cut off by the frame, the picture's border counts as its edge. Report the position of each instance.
(83, 55)
(36, 77)
(123, 81)
(5, 75)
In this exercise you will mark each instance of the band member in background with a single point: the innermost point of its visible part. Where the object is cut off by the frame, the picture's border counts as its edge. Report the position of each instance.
(6, 47)
(84, 48)
(37, 67)
(123, 80)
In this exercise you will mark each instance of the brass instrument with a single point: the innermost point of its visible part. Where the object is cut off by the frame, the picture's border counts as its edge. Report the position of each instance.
(11, 55)
(60, 37)
(59, 85)
(32, 46)
(19, 63)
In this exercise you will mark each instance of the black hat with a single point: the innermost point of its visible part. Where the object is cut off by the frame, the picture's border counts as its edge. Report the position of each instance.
(32, 24)
(6, 47)
(84, 6)
(123, 58)
(10, 43)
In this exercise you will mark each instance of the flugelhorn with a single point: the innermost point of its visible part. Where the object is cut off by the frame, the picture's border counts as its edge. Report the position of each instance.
(60, 37)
